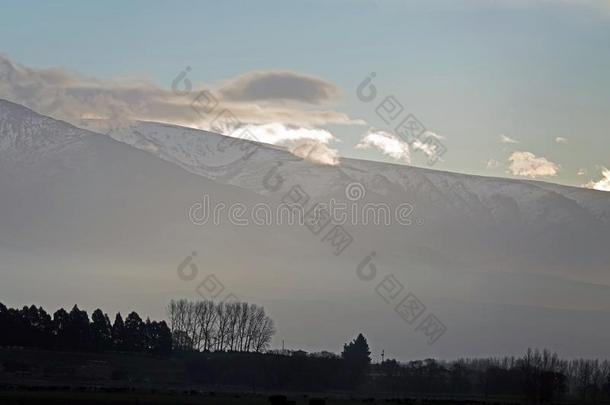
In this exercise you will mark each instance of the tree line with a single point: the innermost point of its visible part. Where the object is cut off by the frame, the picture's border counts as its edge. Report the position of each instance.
(193, 326)
(538, 375)
(225, 344)
(33, 327)
(210, 326)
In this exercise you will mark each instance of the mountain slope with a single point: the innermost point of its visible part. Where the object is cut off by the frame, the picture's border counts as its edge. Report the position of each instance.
(90, 220)
(511, 223)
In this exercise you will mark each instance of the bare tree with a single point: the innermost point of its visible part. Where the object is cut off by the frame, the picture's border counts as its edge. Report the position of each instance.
(207, 326)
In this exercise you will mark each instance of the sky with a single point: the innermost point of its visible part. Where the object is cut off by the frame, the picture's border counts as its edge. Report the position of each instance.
(510, 88)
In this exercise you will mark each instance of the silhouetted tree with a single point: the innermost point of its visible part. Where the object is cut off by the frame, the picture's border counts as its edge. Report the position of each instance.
(101, 331)
(234, 329)
(207, 326)
(357, 358)
(158, 338)
(134, 333)
(33, 327)
(61, 322)
(118, 333)
(78, 329)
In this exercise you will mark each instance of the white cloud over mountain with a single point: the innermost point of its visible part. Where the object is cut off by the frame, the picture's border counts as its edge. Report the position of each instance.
(388, 144)
(603, 184)
(308, 143)
(316, 152)
(526, 164)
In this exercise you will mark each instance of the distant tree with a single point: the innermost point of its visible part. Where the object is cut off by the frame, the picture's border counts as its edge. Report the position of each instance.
(158, 338)
(33, 327)
(357, 352)
(134, 333)
(264, 332)
(209, 326)
(118, 333)
(4, 324)
(36, 327)
(357, 358)
(391, 375)
(101, 331)
(459, 377)
(79, 330)
(61, 321)
(324, 354)
(181, 341)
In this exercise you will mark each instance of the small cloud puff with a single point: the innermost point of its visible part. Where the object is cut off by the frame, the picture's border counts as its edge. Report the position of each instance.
(561, 139)
(506, 139)
(492, 164)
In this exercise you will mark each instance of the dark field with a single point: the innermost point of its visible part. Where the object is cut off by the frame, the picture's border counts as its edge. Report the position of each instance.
(52, 377)
(44, 396)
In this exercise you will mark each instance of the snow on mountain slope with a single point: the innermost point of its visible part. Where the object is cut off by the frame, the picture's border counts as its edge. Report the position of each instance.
(470, 221)
(21, 142)
(244, 163)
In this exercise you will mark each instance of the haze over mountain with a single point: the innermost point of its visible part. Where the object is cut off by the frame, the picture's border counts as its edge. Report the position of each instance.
(103, 219)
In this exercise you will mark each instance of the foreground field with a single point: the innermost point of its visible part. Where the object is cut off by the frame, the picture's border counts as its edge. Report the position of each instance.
(42, 396)
(29, 376)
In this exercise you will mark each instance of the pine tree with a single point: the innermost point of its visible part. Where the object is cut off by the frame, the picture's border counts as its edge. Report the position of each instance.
(101, 330)
(118, 333)
(134, 333)
(357, 358)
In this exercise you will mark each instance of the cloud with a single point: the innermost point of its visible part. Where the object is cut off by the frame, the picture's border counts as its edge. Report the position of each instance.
(279, 134)
(527, 164)
(307, 143)
(492, 164)
(316, 152)
(276, 86)
(70, 96)
(386, 143)
(432, 150)
(603, 184)
(561, 139)
(506, 139)
(430, 134)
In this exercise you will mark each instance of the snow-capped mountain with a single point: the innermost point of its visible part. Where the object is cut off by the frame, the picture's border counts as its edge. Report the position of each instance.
(241, 162)
(103, 218)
